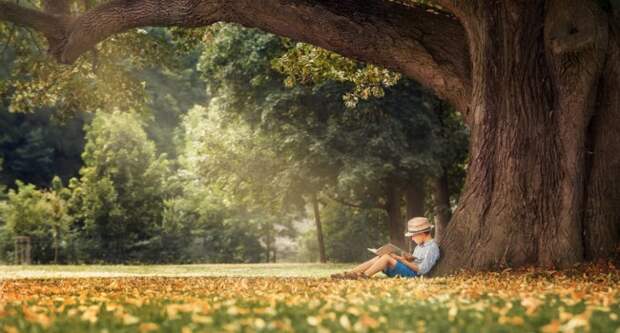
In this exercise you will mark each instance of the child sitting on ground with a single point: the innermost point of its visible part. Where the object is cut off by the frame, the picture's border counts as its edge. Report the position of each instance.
(424, 257)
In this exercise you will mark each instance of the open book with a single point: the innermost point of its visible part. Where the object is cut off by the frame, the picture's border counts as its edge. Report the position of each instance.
(387, 249)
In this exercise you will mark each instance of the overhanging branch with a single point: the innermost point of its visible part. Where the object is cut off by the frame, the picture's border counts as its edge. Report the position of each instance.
(53, 27)
(26, 17)
(428, 47)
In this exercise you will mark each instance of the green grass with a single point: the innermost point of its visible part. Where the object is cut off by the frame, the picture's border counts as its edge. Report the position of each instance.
(274, 270)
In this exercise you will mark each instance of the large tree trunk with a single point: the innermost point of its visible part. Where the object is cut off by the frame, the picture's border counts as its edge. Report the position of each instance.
(441, 200)
(602, 210)
(533, 97)
(319, 228)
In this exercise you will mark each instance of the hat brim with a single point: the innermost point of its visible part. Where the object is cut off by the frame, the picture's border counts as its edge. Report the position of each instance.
(412, 233)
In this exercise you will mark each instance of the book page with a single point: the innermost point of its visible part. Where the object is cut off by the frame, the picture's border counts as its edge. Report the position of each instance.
(387, 249)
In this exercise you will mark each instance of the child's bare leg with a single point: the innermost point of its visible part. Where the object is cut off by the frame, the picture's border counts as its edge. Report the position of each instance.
(380, 264)
(365, 265)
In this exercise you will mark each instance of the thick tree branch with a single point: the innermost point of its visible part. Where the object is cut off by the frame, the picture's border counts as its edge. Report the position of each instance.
(118, 16)
(53, 27)
(426, 46)
(43, 22)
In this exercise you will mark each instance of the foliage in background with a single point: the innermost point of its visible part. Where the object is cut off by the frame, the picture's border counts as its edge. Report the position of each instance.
(307, 64)
(356, 154)
(46, 137)
(238, 173)
(225, 164)
(349, 232)
(171, 92)
(119, 197)
(103, 79)
(41, 215)
(36, 146)
(202, 229)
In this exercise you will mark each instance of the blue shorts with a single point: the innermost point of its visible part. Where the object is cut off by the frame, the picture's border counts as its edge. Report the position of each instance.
(400, 270)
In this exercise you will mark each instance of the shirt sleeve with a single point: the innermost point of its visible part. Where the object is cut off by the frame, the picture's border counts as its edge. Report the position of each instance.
(429, 260)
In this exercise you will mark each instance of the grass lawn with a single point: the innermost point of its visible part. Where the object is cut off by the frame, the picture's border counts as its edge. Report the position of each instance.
(273, 270)
(299, 298)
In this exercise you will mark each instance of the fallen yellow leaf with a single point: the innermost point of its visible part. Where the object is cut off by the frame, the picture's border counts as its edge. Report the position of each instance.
(148, 327)
(129, 319)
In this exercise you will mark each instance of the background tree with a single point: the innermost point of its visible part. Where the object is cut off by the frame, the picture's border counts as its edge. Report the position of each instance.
(35, 147)
(319, 136)
(119, 197)
(42, 113)
(40, 215)
(349, 232)
(226, 178)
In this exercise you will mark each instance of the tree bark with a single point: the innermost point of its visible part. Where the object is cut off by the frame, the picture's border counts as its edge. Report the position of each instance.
(396, 226)
(602, 202)
(319, 229)
(534, 97)
(441, 199)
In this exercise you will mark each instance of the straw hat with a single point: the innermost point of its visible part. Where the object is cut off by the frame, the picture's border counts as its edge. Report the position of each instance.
(418, 225)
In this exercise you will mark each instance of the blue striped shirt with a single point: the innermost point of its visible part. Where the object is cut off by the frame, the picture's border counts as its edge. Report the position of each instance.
(426, 255)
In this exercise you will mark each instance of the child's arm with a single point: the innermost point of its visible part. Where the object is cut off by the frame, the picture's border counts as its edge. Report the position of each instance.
(404, 257)
(427, 263)
(407, 260)
(411, 265)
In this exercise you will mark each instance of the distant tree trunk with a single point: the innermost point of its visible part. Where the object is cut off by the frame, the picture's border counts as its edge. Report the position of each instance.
(56, 245)
(415, 196)
(441, 199)
(268, 247)
(396, 224)
(319, 229)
